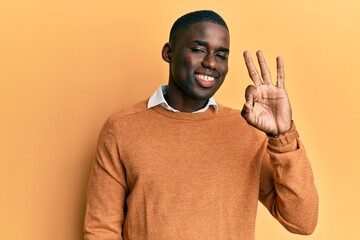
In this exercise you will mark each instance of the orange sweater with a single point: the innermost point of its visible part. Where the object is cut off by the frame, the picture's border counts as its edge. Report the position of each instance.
(164, 175)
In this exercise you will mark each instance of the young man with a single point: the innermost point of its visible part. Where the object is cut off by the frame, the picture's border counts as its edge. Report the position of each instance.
(181, 166)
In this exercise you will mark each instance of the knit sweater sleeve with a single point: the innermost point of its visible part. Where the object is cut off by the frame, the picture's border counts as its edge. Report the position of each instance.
(287, 185)
(106, 190)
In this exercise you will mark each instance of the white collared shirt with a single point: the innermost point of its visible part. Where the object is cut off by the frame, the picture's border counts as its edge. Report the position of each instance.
(158, 99)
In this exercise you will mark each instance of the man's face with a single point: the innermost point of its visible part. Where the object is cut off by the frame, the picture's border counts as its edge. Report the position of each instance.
(199, 61)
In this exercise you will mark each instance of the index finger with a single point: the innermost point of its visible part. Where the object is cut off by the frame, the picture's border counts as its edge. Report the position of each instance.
(253, 73)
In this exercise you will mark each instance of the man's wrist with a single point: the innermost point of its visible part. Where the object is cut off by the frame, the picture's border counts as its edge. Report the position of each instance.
(285, 138)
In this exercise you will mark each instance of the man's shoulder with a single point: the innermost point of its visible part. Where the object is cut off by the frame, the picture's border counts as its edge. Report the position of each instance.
(128, 112)
(235, 119)
(227, 110)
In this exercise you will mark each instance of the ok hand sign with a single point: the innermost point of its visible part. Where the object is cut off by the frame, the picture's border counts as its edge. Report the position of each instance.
(267, 106)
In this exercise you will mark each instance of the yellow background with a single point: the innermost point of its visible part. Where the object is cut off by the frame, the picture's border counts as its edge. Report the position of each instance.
(66, 65)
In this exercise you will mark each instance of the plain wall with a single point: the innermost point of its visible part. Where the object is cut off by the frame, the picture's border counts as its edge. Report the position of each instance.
(66, 65)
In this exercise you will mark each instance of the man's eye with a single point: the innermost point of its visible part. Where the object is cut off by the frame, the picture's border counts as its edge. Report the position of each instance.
(222, 57)
(197, 50)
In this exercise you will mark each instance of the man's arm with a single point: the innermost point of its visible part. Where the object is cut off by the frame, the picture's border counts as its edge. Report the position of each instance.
(106, 190)
(287, 186)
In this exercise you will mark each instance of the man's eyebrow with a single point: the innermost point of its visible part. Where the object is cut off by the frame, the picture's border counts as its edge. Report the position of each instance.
(201, 43)
(205, 44)
(223, 49)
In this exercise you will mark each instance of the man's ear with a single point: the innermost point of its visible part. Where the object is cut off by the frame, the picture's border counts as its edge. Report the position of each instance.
(166, 52)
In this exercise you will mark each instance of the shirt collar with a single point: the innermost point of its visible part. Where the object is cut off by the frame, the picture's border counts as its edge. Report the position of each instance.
(158, 99)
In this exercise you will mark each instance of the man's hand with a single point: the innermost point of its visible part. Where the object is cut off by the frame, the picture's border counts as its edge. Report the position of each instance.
(267, 106)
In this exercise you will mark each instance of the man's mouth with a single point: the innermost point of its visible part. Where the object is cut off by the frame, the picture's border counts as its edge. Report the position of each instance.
(205, 77)
(205, 81)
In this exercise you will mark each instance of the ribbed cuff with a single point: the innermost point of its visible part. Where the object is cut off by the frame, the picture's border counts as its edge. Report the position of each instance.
(285, 142)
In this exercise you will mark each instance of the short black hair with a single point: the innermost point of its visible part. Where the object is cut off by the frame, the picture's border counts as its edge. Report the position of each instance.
(184, 22)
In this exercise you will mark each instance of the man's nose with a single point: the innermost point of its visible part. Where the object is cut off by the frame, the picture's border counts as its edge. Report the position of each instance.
(209, 61)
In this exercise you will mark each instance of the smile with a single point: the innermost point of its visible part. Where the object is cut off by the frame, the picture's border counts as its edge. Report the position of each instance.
(205, 77)
(204, 80)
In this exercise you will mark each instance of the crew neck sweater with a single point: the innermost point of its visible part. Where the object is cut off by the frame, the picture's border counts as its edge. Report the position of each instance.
(164, 175)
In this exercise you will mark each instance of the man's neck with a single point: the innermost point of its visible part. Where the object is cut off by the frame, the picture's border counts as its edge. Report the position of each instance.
(185, 106)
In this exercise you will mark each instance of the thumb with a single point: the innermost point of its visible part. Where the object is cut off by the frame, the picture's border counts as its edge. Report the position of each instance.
(250, 93)
(248, 114)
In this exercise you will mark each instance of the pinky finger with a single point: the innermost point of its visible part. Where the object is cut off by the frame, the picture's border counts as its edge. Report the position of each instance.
(280, 72)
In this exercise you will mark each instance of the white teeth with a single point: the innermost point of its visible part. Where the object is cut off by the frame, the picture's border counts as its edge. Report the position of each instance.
(206, 78)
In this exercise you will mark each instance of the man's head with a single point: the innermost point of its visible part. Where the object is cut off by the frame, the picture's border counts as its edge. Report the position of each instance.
(184, 22)
(197, 54)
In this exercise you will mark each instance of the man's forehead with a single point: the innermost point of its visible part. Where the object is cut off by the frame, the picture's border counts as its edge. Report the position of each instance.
(208, 30)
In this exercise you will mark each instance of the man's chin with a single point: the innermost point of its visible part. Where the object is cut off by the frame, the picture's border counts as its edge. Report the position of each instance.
(201, 96)
(204, 93)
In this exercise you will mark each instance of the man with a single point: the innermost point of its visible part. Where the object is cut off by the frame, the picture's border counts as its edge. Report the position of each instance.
(181, 166)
